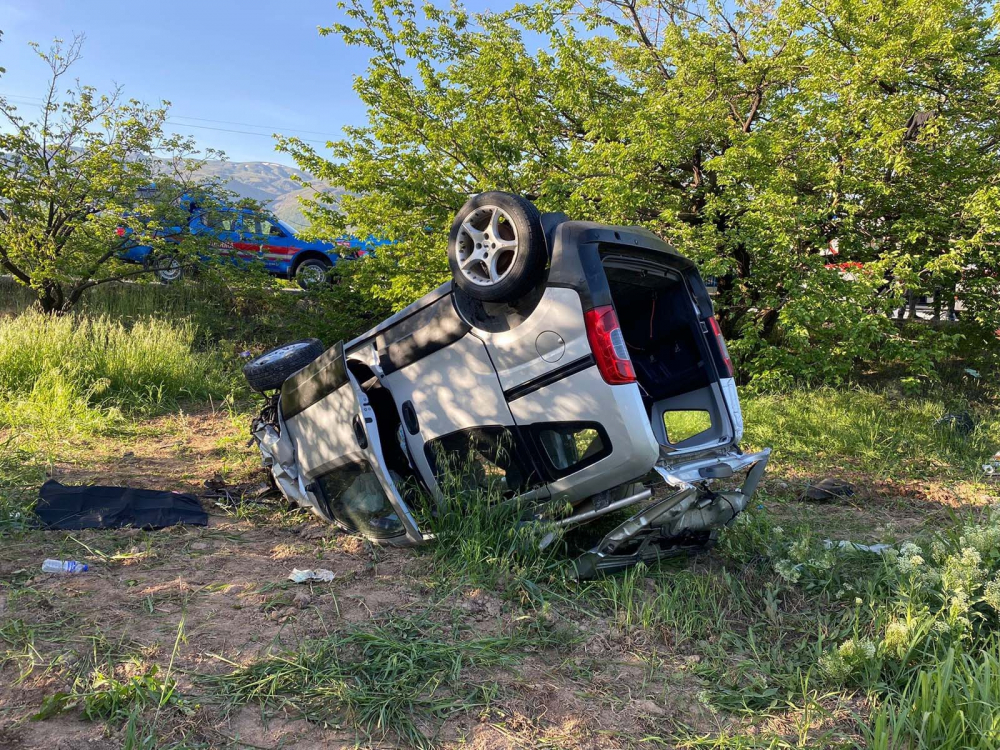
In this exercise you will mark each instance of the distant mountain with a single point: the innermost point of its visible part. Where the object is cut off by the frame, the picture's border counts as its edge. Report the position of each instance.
(269, 183)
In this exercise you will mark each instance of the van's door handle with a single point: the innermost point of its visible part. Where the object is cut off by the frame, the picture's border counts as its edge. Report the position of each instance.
(410, 418)
(359, 433)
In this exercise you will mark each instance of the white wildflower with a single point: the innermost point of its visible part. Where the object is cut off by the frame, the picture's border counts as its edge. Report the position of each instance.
(961, 573)
(799, 551)
(991, 593)
(897, 638)
(788, 570)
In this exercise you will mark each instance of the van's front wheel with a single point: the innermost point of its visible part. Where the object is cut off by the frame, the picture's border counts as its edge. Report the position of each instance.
(496, 248)
(269, 370)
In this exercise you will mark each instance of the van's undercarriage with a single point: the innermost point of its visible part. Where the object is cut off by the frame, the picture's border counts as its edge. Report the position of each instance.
(682, 513)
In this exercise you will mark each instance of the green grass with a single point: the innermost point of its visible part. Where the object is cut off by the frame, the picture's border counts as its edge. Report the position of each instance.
(101, 361)
(480, 537)
(951, 705)
(882, 433)
(394, 679)
(135, 703)
(72, 376)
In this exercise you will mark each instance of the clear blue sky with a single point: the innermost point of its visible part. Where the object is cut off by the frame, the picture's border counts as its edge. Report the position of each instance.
(255, 62)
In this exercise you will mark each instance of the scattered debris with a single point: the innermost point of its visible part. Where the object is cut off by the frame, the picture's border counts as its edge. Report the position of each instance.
(64, 566)
(961, 422)
(320, 574)
(993, 467)
(877, 549)
(95, 507)
(972, 373)
(828, 489)
(228, 496)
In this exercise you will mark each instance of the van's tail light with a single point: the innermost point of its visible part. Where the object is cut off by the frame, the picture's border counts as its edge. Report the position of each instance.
(120, 231)
(608, 345)
(723, 349)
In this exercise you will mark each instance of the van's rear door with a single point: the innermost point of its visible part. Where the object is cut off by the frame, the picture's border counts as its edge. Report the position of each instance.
(333, 426)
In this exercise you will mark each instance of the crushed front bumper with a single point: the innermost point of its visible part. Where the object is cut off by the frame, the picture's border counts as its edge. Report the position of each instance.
(684, 514)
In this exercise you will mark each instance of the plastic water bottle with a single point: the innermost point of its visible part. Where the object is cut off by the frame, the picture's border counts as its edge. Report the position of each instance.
(63, 566)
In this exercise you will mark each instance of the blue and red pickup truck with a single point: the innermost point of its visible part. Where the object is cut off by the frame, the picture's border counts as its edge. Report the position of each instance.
(244, 235)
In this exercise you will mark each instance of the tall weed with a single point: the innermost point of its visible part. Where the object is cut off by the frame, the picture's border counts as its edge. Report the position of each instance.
(100, 361)
(482, 534)
(951, 705)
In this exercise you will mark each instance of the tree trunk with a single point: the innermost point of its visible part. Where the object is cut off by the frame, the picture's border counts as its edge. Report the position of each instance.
(50, 298)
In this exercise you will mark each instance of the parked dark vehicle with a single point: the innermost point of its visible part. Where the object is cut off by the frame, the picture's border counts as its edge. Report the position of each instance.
(580, 365)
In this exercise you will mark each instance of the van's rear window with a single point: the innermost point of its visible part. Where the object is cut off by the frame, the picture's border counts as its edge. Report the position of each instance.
(570, 446)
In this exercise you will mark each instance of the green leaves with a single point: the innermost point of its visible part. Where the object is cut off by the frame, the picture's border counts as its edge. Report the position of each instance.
(754, 137)
(76, 185)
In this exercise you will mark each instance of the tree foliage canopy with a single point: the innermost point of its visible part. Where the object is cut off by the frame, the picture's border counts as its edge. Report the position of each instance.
(752, 135)
(75, 186)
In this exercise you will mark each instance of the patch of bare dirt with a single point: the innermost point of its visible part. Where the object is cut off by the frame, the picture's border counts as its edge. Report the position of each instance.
(173, 452)
(197, 601)
(219, 593)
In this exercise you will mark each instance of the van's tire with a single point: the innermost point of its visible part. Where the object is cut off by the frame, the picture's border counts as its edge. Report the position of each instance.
(272, 368)
(496, 248)
(168, 269)
(312, 272)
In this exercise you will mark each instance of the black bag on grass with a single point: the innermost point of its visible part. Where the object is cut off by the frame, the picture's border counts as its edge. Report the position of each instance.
(95, 507)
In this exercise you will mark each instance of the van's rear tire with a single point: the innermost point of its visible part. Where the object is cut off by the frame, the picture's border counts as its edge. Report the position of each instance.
(496, 248)
(312, 272)
(272, 368)
(168, 269)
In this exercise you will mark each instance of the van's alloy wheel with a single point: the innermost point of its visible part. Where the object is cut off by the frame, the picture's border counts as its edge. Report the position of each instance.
(311, 272)
(487, 246)
(169, 270)
(272, 368)
(496, 249)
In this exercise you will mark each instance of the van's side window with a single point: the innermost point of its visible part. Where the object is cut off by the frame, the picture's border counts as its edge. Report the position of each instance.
(270, 229)
(571, 446)
(219, 220)
(482, 457)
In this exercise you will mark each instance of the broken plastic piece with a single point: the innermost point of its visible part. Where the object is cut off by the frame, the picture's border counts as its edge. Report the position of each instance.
(320, 574)
(877, 549)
